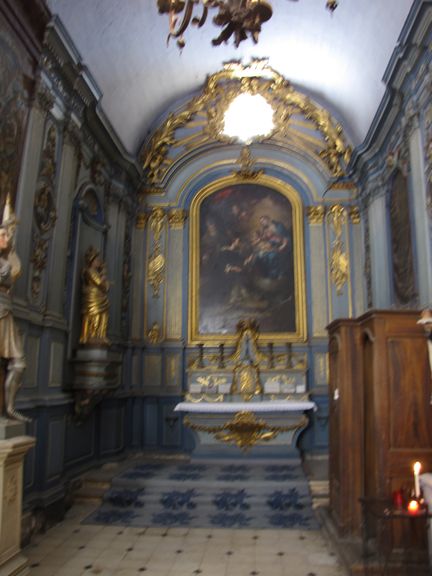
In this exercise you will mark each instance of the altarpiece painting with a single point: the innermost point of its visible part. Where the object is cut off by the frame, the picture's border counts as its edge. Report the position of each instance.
(247, 260)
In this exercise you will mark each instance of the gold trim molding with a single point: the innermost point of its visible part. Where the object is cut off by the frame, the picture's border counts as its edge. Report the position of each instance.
(205, 115)
(177, 218)
(141, 220)
(154, 334)
(354, 214)
(316, 214)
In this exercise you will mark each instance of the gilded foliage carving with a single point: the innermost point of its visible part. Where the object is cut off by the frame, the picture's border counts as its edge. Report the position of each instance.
(14, 68)
(154, 334)
(245, 429)
(177, 218)
(157, 220)
(141, 220)
(354, 214)
(156, 271)
(247, 169)
(39, 260)
(44, 210)
(156, 264)
(339, 262)
(207, 112)
(316, 214)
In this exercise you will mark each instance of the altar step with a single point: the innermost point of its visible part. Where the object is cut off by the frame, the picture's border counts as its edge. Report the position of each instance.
(226, 494)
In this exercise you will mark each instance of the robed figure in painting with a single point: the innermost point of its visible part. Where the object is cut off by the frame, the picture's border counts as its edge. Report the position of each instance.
(246, 259)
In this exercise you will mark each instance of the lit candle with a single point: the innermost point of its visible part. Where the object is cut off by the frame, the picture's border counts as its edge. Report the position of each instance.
(413, 507)
(417, 468)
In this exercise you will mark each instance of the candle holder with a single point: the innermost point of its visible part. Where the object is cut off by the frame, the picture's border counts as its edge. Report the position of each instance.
(413, 507)
(416, 505)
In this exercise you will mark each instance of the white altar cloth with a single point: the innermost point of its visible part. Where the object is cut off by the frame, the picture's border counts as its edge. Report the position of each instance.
(256, 407)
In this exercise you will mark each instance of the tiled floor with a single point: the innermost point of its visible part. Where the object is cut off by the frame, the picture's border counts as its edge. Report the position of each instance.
(72, 549)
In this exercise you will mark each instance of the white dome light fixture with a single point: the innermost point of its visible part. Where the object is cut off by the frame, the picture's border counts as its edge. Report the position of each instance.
(249, 116)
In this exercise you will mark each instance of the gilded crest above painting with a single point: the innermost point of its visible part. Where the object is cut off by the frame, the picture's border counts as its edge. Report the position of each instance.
(297, 122)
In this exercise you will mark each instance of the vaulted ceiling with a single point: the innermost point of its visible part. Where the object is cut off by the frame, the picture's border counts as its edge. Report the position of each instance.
(337, 58)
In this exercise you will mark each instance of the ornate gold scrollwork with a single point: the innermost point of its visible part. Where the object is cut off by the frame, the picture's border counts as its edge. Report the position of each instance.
(339, 263)
(141, 220)
(354, 214)
(205, 114)
(154, 334)
(156, 270)
(338, 266)
(156, 263)
(39, 259)
(316, 214)
(177, 218)
(196, 398)
(247, 163)
(157, 219)
(245, 430)
(44, 210)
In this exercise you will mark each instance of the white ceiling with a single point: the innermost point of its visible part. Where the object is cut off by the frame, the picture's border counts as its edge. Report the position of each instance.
(338, 58)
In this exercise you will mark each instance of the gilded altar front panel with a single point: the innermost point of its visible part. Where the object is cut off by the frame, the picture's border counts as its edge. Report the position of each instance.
(247, 260)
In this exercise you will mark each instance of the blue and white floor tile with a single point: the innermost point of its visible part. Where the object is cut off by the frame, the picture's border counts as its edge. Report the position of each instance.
(199, 495)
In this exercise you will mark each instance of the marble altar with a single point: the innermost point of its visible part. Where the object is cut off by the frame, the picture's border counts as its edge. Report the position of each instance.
(250, 399)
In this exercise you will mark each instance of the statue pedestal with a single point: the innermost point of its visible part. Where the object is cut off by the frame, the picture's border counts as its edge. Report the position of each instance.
(11, 428)
(12, 452)
(97, 372)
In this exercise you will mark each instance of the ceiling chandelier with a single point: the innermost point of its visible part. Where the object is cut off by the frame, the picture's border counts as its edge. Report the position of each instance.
(237, 18)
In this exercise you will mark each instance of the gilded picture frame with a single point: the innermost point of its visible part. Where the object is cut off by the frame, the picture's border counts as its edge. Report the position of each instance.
(246, 256)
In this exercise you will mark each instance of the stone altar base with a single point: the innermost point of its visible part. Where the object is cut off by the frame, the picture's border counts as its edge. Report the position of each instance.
(12, 452)
(203, 419)
(207, 446)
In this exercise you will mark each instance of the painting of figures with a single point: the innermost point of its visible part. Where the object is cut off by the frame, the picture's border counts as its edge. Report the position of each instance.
(246, 260)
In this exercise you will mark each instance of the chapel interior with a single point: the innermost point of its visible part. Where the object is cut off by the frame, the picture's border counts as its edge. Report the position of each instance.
(188, 293)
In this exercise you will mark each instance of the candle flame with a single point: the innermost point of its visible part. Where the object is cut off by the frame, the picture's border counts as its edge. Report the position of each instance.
(413, 506)
(417, 468)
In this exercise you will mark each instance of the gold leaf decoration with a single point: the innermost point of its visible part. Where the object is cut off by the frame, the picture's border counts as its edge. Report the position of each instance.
(339, 263)
(245, 430)
(205, 114)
